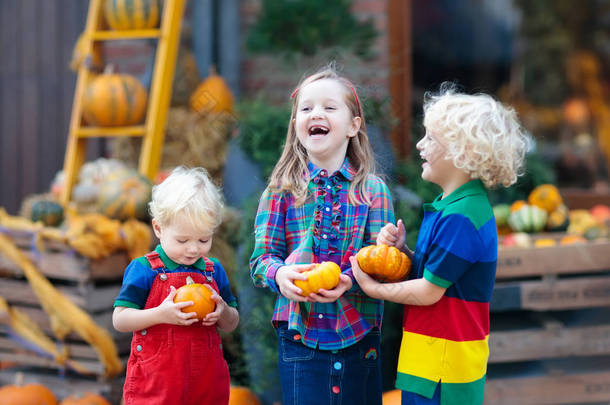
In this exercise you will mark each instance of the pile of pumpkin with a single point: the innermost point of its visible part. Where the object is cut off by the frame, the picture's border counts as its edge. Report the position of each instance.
(38, 394)
(545, 211)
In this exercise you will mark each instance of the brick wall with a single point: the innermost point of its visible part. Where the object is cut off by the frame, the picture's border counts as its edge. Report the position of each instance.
(274, 77)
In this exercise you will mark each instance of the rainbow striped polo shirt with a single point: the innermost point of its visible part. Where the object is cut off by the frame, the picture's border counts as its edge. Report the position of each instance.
(447, 342)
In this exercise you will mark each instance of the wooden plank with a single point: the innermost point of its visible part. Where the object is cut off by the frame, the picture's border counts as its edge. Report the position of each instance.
(10, 95)
(72, 267)
(77, 351)
(38, 315)
(552, 389)
(554, 341)
(65, 385)
(573, 293)
(561, 259)
(88, 297)
(50, 66)
(30, 83)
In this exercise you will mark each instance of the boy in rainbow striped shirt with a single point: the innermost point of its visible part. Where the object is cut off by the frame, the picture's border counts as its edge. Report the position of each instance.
(471, 142)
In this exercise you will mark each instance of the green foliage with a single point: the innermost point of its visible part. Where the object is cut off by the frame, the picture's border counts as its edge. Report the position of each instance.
(263, 130)
(304, 26)
(256, 310)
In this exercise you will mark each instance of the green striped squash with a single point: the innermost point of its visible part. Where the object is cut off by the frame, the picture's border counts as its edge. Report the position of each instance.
(528, 218)
(132, 14)
(125, 195)
(112, 100)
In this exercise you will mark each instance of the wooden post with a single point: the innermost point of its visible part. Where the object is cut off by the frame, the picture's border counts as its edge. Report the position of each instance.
(399, 18)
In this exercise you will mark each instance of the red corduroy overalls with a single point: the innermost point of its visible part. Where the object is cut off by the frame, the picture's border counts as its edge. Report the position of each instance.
(172, 364)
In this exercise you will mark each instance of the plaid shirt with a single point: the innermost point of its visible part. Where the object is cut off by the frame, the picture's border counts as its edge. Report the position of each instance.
(327, 227)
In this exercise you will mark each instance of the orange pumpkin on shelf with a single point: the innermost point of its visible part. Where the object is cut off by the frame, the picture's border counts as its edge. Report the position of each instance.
(545, 196)
(384, 263)
(30, 394)
(212, 95)
(112, 100)
(132, 14)
(201, 296)
(324, 275)
(242, 396)
(87, 398)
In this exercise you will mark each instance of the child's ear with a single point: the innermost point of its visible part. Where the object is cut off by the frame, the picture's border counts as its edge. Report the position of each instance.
(355, 127)
(156, 228)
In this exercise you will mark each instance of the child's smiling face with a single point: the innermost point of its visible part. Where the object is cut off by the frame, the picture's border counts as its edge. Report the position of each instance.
(181, 242)
(435, 168)
(323, 121)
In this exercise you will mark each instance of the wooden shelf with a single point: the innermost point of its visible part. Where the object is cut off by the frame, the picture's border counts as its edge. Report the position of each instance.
(99, 132)
(127, 34)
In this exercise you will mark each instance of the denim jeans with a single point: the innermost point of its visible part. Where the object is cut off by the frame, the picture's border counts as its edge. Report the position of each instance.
(350, 376)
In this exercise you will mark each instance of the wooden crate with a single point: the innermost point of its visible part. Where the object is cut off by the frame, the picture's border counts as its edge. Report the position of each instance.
(64, 385)
(550, 325)
(90, 284)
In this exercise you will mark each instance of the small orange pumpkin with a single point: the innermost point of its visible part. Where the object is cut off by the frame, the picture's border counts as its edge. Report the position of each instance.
(88, 398)
(384, 263)
(114, 100)
(324, 275)
(545, 196)
(515, 206)
(212, 95)
(242, 396)
(572, 240)
(30, 394)
(201, 296)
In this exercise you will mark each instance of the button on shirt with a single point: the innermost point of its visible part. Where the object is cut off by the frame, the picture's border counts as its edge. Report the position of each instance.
(327, 227)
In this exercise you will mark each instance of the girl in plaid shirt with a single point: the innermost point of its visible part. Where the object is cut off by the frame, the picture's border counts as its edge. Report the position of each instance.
(323, 203)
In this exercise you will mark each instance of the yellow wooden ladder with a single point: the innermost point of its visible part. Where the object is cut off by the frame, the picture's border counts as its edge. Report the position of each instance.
(153, 128)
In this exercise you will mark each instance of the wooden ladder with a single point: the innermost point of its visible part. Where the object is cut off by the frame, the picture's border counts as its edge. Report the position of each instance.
(153, 129)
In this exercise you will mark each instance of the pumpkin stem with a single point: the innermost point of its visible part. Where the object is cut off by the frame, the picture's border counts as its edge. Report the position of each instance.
(19, 379)
(212, 70)
(189, 280)
(109, 69)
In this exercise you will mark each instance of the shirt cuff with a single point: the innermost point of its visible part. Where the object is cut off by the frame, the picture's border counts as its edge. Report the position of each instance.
(355, 286)
(271, 272)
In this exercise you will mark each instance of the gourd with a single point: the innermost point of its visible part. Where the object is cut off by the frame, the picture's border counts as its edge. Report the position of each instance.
(516, 205)
(384, 263)
(559, 219)
(131, 14)
(87, 398)
(392, 397)
(201, 296)
(545, 196)
(114, 100)
(501, 213)
(545, 242)
(242, 396)
(125, 195)
(528, 218)
(324, 275)
(212, 95)
(29, 394)
(48, 212)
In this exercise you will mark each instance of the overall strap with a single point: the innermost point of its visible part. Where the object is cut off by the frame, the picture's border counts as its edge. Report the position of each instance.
(154, 260)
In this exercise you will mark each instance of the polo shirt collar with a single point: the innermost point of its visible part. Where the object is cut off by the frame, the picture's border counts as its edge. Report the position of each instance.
(346, 169)
(172, 265)
(473, 187)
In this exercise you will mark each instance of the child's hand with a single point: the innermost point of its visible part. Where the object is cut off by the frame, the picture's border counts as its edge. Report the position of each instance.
(171, 312)
(213, 317)
(366, 282)
(285, 276)
(392, 235)
(345, 283)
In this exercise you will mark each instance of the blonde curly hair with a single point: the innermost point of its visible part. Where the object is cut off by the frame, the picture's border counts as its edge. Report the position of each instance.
(188, 193)
(482, 136)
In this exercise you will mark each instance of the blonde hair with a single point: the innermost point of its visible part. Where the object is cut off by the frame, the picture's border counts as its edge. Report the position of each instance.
(289, 173)
(482, 136)
(187, 192)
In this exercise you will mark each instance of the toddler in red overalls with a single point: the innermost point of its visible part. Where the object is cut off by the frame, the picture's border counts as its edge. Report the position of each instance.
(176, 358)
